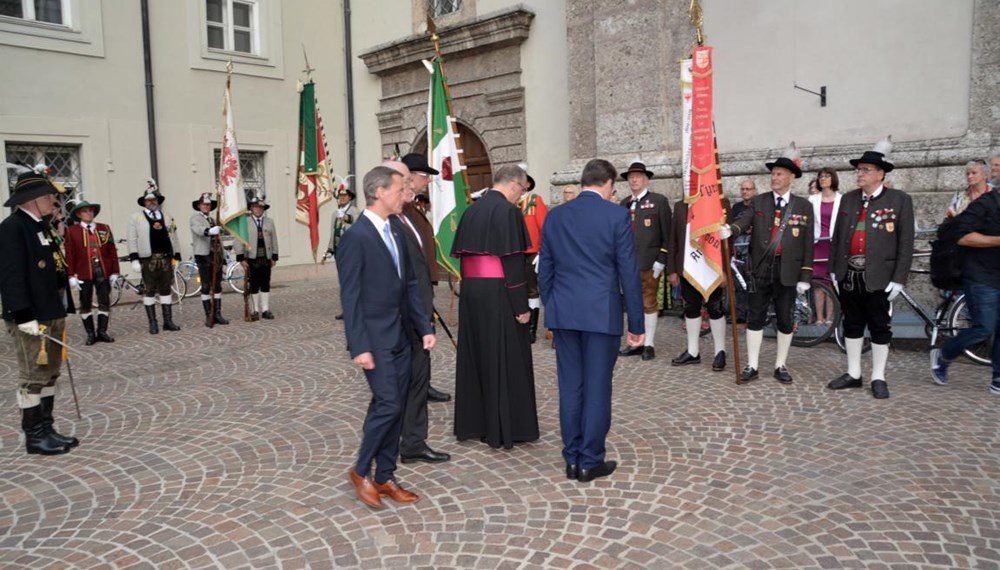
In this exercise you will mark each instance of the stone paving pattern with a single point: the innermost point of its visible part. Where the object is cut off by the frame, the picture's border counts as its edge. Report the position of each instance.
(229, 448)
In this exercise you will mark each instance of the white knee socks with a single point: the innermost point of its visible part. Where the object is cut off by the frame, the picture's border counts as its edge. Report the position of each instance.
(718, 334)
(784, 343)
(650, 328)
(880, 356)
(854, 346)
(754, 339)
(693, 332)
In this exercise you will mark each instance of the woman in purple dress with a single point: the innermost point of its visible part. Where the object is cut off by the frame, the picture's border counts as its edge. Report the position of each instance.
(825, 205)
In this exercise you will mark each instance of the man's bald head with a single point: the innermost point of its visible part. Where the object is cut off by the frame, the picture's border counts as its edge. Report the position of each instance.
(400, 167)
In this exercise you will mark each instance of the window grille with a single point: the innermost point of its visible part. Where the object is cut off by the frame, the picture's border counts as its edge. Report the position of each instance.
(252, 170)
(444, 7)
(62, 160)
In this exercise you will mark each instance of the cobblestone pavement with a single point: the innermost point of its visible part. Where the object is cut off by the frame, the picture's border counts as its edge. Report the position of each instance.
(229, 448)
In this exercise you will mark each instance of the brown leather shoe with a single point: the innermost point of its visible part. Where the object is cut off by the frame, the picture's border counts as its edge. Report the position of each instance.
(395, 492)
(367, 493)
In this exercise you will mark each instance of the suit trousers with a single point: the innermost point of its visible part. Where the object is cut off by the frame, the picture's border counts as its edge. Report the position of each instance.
(769, 288)
(388, 381)
(414, 434)
(585, 362)
(99, 285)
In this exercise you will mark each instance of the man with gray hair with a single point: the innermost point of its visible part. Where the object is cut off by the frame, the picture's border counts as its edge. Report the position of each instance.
(494, 377)
(382, 305)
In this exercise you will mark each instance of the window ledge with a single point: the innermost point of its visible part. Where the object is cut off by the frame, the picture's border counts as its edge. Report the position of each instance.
(87, 39)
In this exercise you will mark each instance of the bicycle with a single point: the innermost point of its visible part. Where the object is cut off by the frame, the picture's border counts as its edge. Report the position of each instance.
(232, 273)
(950, 316)
(178, 288)
(807, 330)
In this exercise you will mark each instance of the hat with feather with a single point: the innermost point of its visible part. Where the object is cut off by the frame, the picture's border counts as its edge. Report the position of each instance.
(878, 156)
(152, 192)
(31, 184)
(258, 199)
(205, 198)
(790, 160)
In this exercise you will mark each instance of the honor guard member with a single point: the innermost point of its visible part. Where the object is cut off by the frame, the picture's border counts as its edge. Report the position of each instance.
(347, 212)
(870, 259)
(651, 225)
(534, 210)
(153, 247)
(92, 259)
(262, 256)
(693, 299)
(203, 231)
(29, 292)
(781, 253)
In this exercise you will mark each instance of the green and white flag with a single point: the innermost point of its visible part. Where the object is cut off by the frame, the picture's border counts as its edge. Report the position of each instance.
(449, 191)
(232, 200)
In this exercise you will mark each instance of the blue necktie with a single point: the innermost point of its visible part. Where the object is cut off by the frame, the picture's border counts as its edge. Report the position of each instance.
(391, 244)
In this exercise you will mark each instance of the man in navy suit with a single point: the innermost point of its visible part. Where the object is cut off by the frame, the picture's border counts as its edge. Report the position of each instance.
(381, 301)
(586, 271)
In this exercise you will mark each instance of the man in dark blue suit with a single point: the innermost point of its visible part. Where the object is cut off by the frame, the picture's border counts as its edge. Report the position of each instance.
(586, 272)
(381, 301)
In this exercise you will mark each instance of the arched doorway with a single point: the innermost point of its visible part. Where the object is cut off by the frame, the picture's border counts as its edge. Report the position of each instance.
(477, 159)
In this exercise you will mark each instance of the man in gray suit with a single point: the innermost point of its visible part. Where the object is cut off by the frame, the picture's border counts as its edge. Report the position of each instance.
(260, 257)
(153, 245)
(204, 231)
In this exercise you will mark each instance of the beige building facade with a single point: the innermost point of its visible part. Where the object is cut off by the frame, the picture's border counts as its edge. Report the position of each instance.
(549, 82)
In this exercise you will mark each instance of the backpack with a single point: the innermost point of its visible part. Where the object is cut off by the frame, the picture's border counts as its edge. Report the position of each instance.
(946, 257)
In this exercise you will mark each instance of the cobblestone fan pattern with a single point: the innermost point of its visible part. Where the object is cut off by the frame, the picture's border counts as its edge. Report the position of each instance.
(229, 448)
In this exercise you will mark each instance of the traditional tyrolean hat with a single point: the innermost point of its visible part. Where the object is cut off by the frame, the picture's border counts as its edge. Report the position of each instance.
(80, 206)
(258, 199)
(29, 185)
(637, 166)
(877, 156)
(531, 181)
(791, 160)
(205, 198)
(150, 193)
(418, 163)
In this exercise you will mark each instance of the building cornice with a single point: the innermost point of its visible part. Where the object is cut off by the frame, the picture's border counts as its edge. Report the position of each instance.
(491, 31)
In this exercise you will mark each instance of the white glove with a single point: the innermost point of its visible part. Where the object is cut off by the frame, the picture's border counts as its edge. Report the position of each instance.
(893, 289)
(114, 279)
(30, 327)
(74, 283)
(658, 269)
(725, 232)
(341, 213)
(535, 263)
(801, 287)
(136, 266)
(214, 230)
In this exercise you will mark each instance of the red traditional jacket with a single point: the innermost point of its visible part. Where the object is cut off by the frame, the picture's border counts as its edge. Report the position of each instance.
(534, 210)
(81, 246)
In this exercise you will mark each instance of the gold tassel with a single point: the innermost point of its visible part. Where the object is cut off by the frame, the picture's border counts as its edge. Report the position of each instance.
(43, 355)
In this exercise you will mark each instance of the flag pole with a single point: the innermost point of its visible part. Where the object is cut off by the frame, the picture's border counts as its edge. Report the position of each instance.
(215, 249)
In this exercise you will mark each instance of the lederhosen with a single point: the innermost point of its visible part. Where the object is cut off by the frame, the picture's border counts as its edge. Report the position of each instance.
(99, 281)
(766, 282)
(204, 263)
(158, 269)
(860, 306)
(260, 264)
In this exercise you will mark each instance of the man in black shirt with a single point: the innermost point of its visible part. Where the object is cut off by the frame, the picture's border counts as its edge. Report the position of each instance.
(979, 226)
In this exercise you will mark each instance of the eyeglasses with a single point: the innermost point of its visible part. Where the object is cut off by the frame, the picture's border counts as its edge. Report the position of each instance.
(865, 169)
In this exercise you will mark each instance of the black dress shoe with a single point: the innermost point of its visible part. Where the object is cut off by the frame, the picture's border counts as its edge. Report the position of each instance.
(339, 317)
(844, 381)
(267, 315)
(435, 395)
(427, 455)
(648, 353)
(631, 351)
(685, 358)
(880, 389)
(781, 375)
(572, 471)
(748, 374)
(720, 361)
(602, 470)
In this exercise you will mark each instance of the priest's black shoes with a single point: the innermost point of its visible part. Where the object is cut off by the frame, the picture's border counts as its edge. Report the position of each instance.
(427, 455)
(685, 358)
(782, 375)
(602, 470)
(748, 374)
(572, 471)
(636, 351)
(880, 389)
(844, 381)
(720, 361)
(435, 395)
(648, 353)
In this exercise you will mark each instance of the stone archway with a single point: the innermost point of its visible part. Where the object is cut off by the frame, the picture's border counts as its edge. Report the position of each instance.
(476, 157)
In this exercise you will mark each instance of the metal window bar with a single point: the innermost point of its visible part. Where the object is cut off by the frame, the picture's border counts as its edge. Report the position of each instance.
(443, 7)
(252, 170)
(63, 160)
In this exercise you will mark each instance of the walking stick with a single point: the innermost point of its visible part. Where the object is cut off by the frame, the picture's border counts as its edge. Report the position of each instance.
(445, 327)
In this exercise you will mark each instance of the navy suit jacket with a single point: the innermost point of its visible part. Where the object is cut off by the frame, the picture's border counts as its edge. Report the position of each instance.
(379, 306)
(587, 272)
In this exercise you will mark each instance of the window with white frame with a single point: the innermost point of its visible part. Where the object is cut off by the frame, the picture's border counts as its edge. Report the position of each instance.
(48, 11)
(63, 162)
(252, 170)
(232, 25)
(444, 7)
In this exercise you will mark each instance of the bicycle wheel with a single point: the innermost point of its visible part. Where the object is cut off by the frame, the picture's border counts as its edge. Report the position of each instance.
(116, 290)
(178, 289)
(188, 272)
(235, 276)
(838, 335)
(809, 331)
(959, 318)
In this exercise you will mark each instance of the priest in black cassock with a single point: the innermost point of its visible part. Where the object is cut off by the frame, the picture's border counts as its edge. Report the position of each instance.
(494, 377)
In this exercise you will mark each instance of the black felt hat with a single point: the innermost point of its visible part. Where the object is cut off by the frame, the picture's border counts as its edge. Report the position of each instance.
(785, 162)
(150, 193)
(205, 198)
(877, 156)
(29, 186)
(637, 166)
(418, 163)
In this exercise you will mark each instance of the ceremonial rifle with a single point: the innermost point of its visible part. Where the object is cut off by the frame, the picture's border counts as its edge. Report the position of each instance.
(246, 294)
